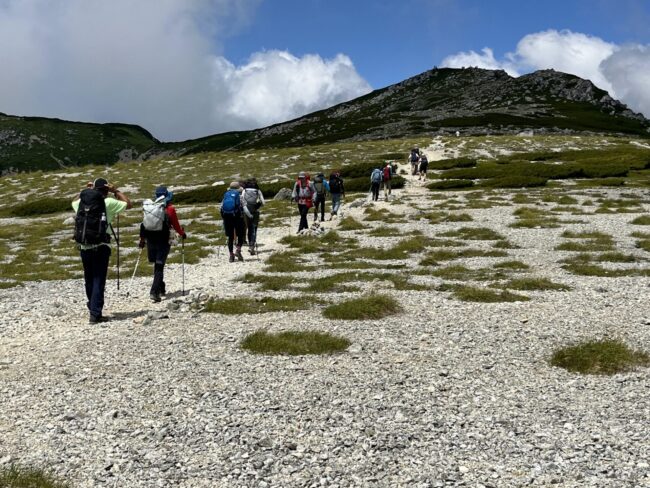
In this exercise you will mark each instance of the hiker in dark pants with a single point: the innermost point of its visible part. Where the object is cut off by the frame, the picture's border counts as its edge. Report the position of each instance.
(252, 199)
(322, 188)
(303, 195)
(424, 165)
(375, 182)
(233, 220)
(94, 205)
(337, 190)
(387, 176)
(157, 241)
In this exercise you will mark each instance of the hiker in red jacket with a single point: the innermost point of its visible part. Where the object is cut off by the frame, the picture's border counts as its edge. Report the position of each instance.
(388, 175)
(303, 194)
(158, 242)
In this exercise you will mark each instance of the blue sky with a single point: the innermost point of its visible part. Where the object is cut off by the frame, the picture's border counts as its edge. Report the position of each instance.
(190, 68)
(390, 40)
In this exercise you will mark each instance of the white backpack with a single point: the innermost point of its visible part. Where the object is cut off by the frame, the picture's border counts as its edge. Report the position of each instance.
(154, 213)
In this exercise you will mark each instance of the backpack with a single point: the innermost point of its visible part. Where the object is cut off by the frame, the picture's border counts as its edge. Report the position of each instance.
(154, 214)
(319, 185)
(414, 157)
(387, 173)
(424, 160)
(91, 224)
(335, 184)
(231, 203)
(376, 176)
(251, 197)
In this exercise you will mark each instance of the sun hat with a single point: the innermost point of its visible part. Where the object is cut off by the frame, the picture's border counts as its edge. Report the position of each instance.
(162, 191)
(234, 185)
(302, 175)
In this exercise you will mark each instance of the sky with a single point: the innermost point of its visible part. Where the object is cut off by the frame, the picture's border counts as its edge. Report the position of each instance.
(190, 68)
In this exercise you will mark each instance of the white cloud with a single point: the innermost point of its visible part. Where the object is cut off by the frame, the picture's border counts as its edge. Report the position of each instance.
(624, 71)
(155, 63)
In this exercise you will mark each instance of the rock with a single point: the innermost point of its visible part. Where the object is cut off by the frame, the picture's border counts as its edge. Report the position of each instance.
(283, 194)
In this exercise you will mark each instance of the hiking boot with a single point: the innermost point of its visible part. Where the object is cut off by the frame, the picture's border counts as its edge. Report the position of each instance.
(232, 258)
(163, 290)
(251, 250)
(155, 297)
(238, 255)
(97, 320)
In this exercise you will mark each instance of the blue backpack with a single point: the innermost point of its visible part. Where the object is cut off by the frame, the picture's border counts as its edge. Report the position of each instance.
(231, 203)
(376, 176)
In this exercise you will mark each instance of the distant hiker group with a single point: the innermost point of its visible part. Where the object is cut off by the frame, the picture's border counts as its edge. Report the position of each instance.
(419, 163)
(308, 194)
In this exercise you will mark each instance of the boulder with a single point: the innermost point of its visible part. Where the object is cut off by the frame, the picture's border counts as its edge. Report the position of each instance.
(283, 194)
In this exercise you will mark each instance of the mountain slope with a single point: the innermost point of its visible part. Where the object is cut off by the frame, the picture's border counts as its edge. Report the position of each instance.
(28, 143)
(475, 101)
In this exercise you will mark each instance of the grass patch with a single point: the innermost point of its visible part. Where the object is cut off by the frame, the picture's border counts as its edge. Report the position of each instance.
(330, 241)
(293, 343)
(642, 220)
(535, 284)
(475, 234)
(241, 305)
(433, 257)
(586, 269)
(270, 282)
(604, 357)
(473, 294)
(450, 185)
(15, 477)
(286, 262)
(42, 206)
(370, 307)
(350, 223)
(532, 218)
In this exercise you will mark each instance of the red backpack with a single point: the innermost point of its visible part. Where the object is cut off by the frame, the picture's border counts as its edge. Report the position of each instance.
(387, 173)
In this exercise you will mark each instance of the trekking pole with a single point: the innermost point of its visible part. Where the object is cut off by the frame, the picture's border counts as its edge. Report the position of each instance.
(183, 266)
(137, 262)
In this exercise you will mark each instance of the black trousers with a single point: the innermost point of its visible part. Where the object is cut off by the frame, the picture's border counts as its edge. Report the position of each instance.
(157, 252)
(233, 225)
(319, 203)
(95, 263)
(304, 210)
(375, 191)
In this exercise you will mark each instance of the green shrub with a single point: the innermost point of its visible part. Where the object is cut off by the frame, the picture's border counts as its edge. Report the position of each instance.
(293, 343)
(515, 181)
(41, 206)
(540, 284)
(15, 477)
(450, 184)
(370, 307)
(202, 194)
(642, 220)
(443, 164)
(472, 294)
(242, 305)
(474, 233)
(605, 357)
(350, 223)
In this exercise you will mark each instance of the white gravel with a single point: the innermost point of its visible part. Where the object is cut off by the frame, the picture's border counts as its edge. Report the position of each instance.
(446, 394)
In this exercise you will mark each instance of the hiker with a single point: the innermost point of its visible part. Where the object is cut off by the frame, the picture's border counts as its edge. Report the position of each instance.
(322, 188)
(415, 160)
(95, 212)
(233, 221)
(375, 182)
(388, 175)
(337, 190)
(159, 217)
(424, 164)
(252, 199)
(303, 194)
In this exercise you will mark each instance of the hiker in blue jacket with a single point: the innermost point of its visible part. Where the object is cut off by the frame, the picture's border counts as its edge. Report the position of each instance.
(375, 183)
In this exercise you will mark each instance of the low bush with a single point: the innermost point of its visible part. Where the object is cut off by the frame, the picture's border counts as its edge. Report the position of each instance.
(535, 284)
(372, 307)
(474, 233)
(15, 477)
(642, 220)
(41, 206)
(450, 184)
(452, 163)
(242, 305)
(350, 223)
(472, 294)
(515, 181)
(604, 357)
(293, 343)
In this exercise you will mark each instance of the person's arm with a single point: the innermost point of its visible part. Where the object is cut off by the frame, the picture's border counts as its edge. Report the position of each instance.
(120, 196)
(261, 198)
(173, 220)
(294, 193)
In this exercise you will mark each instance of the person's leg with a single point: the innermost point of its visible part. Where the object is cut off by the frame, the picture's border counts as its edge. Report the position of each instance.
(239, 231)
(303, 217)
(322, 208)
(229, 229)
(255, 224)
(86, 261)
(100, 271)
(336, 203)
(389, 186)
(161, 252)
(250, 230)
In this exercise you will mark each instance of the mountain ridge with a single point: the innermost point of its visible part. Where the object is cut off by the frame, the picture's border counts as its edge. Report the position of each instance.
(442, 100)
